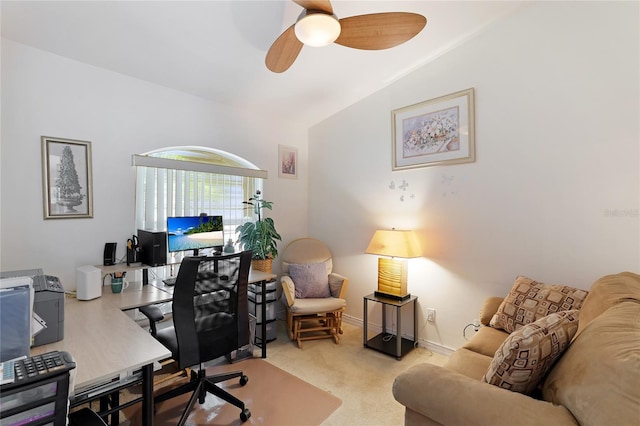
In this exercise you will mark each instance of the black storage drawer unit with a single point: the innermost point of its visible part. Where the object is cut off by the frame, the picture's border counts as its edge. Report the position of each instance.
(255, 309)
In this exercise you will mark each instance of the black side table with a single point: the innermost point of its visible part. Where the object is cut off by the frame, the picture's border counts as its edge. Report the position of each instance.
(394, 345)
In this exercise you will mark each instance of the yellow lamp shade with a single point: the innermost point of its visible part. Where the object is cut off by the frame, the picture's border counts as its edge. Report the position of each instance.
(392, 273)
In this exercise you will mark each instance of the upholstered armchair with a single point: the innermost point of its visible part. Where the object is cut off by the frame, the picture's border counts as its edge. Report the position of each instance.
(314, 293)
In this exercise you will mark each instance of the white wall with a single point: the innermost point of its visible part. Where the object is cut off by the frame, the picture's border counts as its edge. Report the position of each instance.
(44, 94)
(554, 192)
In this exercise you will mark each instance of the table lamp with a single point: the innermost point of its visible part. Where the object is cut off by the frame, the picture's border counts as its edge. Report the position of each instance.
(392, 272)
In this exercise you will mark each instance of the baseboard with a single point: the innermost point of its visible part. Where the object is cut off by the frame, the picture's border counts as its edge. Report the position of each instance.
(422, 343)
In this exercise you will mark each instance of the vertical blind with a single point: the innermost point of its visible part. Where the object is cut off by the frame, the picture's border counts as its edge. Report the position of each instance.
(185, 190)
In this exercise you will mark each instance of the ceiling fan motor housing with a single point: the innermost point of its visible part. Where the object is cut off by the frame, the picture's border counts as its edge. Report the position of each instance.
(316, 28)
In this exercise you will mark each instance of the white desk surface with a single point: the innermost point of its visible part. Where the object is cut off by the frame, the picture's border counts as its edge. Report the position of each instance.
(103, 341)
(137, 295)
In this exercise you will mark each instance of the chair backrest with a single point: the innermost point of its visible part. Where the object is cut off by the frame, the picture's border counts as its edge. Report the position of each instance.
(306, 250)
(210, 308)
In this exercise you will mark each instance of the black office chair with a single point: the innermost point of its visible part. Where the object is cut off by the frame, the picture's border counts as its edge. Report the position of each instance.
(210, 320)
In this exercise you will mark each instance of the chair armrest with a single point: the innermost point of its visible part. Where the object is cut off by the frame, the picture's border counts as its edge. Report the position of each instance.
(338, 285)
(450, 398)
(154, 314)
(289, 289)
(489, 308)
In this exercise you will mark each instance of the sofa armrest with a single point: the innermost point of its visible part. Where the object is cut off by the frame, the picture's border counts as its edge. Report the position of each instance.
(450, 398)
(489, 308)
(289, 289)
(338, 285)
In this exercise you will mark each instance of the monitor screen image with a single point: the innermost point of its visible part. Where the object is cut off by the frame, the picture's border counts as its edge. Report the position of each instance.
(194, 233)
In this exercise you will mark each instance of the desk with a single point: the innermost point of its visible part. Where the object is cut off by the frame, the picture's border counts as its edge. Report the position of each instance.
(123, 267)
(137, 295)
(105, 343)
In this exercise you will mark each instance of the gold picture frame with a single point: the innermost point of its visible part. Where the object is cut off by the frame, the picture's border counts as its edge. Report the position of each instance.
(66, 178)
(436, 132)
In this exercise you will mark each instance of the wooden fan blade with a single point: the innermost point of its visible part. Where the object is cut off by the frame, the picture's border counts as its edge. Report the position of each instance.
(379, 31)
(284, 51)
(322, 5)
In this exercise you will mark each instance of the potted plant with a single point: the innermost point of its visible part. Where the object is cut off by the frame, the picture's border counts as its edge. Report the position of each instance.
(260, 236)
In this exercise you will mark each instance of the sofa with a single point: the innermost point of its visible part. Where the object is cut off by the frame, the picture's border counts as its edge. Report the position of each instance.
(594, 381)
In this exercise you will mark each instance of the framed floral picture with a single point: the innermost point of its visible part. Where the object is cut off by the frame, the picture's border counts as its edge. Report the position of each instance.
(435, 132)
(66, 178)
(287, 162)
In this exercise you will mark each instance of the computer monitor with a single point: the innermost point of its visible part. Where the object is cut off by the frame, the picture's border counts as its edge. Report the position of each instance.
(185, 233)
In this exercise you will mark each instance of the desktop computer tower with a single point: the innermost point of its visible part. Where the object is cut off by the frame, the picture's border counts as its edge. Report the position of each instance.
(153, 245)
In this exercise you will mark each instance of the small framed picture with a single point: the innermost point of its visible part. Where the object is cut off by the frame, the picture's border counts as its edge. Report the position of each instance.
(436, 132)
(287, 162)
(66, 178)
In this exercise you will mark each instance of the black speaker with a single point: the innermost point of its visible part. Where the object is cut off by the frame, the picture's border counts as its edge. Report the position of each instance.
(110, 254)
(153, 245)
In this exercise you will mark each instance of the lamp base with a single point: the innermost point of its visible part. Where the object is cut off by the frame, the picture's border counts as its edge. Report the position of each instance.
(392, 296)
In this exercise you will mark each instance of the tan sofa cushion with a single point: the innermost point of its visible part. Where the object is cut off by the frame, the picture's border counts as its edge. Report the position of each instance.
(530, 300)
(446, 397)
(528, 353)
(469, 363)
(489, 309)
(486, 341)
(598, 377)
(607, 292)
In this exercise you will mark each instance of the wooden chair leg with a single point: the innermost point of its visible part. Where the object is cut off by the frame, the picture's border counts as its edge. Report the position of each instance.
(290, 325)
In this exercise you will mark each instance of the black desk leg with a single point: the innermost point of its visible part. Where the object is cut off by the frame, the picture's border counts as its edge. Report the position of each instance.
(147, 395)
(264, 319)
(365, 324)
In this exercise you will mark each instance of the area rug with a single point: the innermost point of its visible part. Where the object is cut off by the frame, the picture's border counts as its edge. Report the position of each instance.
(273, 396)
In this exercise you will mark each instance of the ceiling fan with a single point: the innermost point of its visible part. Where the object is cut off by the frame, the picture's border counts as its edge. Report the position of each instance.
(318, 26)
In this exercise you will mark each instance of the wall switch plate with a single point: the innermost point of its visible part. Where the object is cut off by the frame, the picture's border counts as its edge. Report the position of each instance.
(431, 315)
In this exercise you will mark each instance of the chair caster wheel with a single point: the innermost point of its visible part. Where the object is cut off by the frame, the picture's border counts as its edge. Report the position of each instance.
(244, 416)
(243, 381)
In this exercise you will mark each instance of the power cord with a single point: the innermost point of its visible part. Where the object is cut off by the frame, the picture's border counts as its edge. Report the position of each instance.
(475, 326)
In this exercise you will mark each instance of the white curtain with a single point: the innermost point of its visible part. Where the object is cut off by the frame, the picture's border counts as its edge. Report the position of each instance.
(164, 192)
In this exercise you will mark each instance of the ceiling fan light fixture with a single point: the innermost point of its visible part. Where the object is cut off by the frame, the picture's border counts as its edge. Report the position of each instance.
(317, 29)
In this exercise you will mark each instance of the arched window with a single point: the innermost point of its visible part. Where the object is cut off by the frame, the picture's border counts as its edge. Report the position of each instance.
(188, 181)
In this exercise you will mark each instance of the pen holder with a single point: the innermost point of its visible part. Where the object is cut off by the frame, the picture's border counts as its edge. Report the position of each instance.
(118, 284)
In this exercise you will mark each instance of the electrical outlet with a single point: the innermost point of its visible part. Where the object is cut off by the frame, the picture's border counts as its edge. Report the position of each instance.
(431, 315)
(476, 324)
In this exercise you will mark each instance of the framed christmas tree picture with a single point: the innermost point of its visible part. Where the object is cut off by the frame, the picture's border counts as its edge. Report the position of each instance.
(66, 178)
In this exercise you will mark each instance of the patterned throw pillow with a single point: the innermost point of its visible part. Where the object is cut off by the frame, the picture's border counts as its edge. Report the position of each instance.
(310, 279)
(529, 301)
(525, 357)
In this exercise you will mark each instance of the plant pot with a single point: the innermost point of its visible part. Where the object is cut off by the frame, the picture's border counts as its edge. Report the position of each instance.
(69, 203)
(263, 265)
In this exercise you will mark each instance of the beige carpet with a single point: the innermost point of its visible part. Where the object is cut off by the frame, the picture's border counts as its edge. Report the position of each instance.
(362, 378)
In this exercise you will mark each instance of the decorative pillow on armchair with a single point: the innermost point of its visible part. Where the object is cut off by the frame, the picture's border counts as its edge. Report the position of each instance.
(529, 301)
(525, 357)
(310, 279)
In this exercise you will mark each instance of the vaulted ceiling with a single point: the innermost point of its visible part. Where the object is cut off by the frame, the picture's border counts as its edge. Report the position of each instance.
(216, 49)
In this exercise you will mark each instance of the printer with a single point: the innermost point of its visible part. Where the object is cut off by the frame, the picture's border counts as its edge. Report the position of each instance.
(48, 304)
